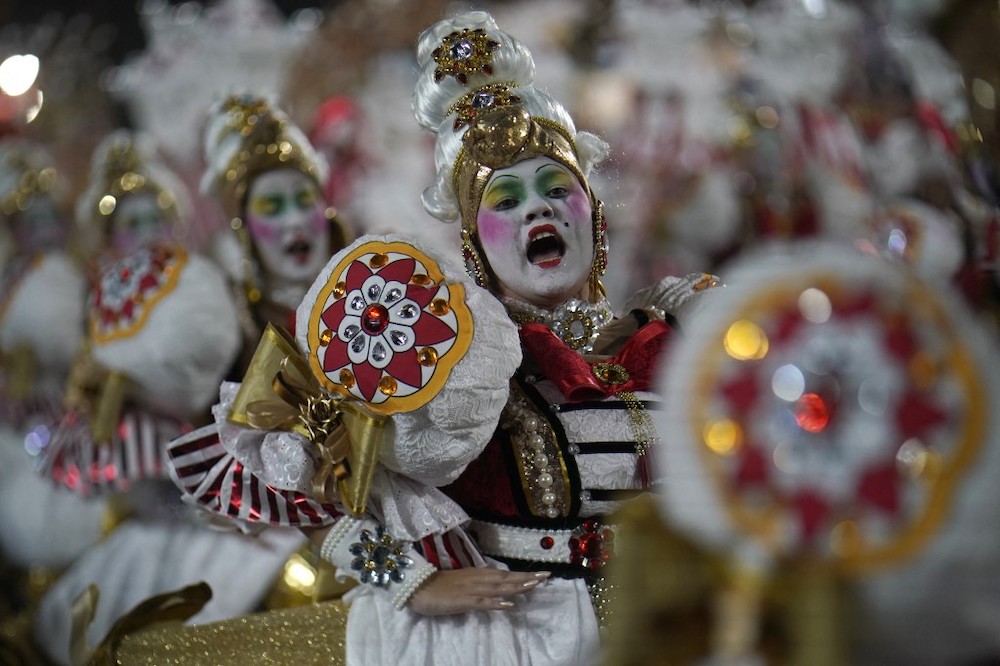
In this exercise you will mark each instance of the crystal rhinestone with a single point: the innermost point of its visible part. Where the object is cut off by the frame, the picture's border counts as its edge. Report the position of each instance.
(387, 385)
(393, 295)
(346, 378)
(373, 292)
(427, 357)
(547, 542)
(545, 480)
(408, 311)
(357, 303)
(339, 289)
(556, 408)
(325, 337)
(358, 344)
(573, 449)
(374, 319)
(378, 352)
(399, 338)
(482, 100)
(351, 331)
(585, 495)
(462, 49)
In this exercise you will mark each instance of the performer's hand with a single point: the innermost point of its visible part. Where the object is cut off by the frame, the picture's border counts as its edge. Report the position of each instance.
(463, 590)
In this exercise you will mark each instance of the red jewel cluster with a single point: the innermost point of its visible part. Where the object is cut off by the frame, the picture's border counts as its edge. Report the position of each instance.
(591, 545)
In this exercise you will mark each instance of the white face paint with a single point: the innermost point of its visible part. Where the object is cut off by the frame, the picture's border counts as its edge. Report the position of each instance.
(137, 221)
(286, 223)
(536, 230)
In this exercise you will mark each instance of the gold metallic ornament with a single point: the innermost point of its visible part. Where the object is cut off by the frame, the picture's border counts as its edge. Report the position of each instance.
(462, 53)
(34, 181)
(266, 145)
(279, 392)
(492, 96)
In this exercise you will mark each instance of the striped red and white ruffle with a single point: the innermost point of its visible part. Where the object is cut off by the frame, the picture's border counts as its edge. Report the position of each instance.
(215, 480)
(137, 451)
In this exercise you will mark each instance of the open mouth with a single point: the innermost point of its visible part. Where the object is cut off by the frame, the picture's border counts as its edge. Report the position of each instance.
(545, 247)
(299, 249)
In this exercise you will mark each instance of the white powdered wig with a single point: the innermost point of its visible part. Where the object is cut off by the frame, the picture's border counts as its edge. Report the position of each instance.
(222, 142)
(46, 314)
(188, 342)
(512, 64)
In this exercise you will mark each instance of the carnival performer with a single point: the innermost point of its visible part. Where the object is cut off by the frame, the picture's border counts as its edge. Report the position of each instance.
(143, 380)
(269, 180)
(512, 395)
(41, 324)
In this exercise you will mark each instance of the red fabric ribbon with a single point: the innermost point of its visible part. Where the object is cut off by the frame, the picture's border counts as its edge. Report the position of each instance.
(574, 375)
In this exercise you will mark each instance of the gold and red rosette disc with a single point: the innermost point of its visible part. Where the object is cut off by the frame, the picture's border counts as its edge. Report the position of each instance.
(386, 327)
(825, 405)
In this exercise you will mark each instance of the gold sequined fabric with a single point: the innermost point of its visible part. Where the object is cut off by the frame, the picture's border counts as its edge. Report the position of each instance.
(313, 634)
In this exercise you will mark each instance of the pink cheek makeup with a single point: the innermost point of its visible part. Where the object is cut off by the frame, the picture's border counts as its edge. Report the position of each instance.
(494, 229)
(319, 222)
(263, 232)
(579, 205)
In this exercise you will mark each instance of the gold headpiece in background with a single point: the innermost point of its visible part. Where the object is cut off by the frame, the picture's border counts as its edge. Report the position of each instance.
(32, 182)
(265, 145)
(124, 171)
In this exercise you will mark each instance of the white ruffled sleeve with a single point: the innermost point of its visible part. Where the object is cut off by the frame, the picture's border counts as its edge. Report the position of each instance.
(434, 444)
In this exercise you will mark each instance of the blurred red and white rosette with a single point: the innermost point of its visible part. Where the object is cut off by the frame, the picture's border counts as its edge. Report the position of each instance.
(827, 410)
(162, 332)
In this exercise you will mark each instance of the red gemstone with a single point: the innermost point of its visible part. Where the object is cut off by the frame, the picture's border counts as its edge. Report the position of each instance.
(124, 273)
(374, 319)
(547, 542)
(812, 412)
(574, 544)
(590, 525)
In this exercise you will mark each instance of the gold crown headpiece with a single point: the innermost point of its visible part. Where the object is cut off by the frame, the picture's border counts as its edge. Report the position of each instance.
(503, 136)
(32, 182)
(265, 145)
(124, 172)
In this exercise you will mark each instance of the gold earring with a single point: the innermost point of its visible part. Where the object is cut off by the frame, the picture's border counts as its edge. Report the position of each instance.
(473, 262)
(250, 288)
(600, 253)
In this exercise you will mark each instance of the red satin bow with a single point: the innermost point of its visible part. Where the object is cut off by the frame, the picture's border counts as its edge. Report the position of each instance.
(576, 377)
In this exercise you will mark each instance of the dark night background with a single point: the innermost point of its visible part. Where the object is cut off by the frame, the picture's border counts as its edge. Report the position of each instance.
(121, 15)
